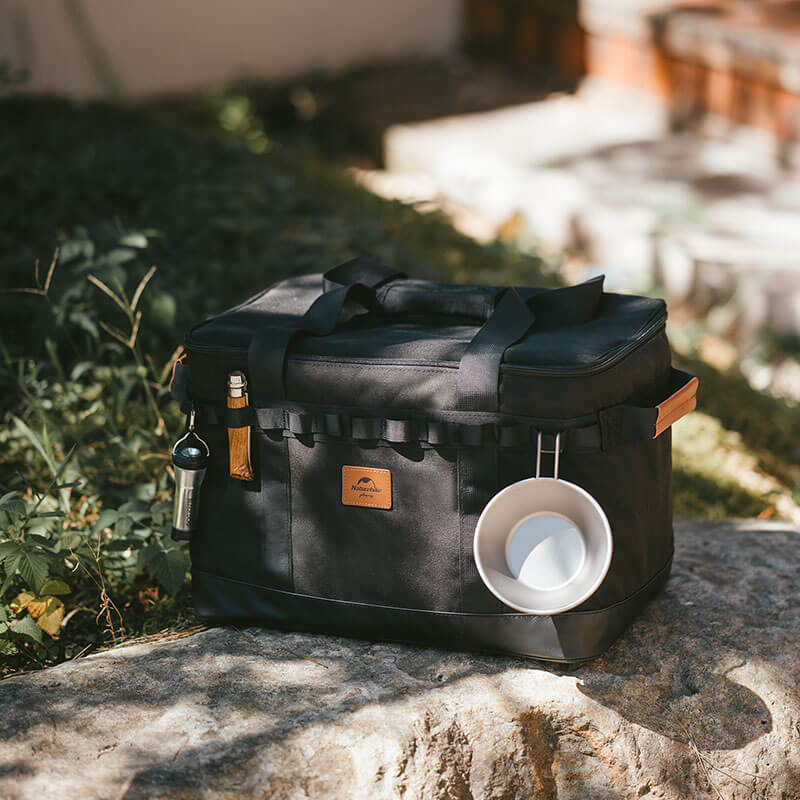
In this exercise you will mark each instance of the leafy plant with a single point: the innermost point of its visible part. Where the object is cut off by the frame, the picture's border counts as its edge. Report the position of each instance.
(85, 555)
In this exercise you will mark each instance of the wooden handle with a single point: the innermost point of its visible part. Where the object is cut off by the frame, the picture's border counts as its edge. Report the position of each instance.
(677, 405)
(239, 445)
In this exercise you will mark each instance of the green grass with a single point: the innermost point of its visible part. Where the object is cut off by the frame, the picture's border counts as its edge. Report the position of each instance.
(200, 190)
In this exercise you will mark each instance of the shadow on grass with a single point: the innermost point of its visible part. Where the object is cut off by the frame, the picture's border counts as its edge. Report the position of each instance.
(697, 495)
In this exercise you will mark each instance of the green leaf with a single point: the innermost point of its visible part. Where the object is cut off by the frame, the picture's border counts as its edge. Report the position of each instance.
(134, 506)
(8, 549)
(36, 538)
(8, 496)
(33, 567)
(7, 648)
(36, 442)
(120, 545)
(16, 509)
(168, 567)
(123, 527)
(69, 541)
(55, 586)
(83, 320)
(28, 628)
(10, 566)
(137, 240)
(106, 519)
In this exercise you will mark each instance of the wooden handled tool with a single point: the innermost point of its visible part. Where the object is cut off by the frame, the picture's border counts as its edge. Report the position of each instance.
(239, 438)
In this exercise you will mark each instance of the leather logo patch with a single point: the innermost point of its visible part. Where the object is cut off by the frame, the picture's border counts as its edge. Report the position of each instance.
(366, 486)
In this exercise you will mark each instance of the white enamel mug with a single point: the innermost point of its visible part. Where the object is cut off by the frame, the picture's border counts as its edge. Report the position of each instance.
(543, 545)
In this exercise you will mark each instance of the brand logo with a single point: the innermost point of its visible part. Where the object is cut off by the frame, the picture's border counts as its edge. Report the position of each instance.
(367, 486)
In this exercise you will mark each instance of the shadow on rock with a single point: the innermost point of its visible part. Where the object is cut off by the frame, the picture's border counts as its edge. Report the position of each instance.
(709, 708)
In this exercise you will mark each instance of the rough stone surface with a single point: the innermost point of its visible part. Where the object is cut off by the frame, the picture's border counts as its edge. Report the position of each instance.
(703, 687)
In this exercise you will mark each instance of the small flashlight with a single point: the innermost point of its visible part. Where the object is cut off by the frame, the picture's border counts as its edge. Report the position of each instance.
(190, 456)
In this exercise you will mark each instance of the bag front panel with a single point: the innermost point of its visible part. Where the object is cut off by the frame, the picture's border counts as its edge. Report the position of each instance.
(229, 540)
(291, 530)
(406, 554)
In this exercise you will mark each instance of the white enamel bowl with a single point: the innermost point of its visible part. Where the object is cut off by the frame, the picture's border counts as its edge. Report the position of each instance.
(543, 545)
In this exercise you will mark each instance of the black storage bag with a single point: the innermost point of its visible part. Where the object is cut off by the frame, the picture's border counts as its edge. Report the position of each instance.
(446, 387)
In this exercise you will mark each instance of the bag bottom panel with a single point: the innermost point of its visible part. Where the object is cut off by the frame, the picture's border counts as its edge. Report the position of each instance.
(569, 637)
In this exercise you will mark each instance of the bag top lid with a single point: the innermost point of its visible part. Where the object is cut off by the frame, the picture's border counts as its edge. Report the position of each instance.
(422, 321)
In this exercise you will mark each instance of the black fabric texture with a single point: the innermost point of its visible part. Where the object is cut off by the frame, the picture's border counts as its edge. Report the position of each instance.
(230, 538)
(446, 387)
(376, 555)
(479, 369)
(571, 637)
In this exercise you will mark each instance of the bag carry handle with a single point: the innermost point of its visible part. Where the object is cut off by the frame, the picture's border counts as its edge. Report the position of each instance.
(479, 371)
(390, 292)
(621, 424)
(359, 270)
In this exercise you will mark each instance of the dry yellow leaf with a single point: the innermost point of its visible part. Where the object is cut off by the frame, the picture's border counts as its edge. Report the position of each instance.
(21, 602)
(49, 620)
(36, 606)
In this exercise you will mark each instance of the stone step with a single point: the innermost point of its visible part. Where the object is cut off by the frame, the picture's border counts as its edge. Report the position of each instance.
(708, 215)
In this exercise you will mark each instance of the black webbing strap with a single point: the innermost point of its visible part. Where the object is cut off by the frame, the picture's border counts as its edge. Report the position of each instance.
(625, 423)
(359, 270)
(265, 359)
(327, 311)
(459, 429)
(337, 303)
(621, 424)
(615, 426)
(479, 371)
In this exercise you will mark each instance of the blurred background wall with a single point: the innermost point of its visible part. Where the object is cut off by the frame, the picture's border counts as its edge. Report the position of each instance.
(85, 48)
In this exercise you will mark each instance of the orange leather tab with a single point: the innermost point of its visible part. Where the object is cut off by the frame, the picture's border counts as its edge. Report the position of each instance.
(239, 446)
(367, 487)
(676, 406)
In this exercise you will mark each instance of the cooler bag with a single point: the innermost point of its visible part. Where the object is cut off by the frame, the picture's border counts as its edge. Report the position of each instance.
(385, 413)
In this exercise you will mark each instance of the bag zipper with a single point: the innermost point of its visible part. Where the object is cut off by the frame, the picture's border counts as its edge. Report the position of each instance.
(613, 356)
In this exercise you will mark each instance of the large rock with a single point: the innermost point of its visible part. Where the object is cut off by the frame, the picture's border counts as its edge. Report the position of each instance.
(703, 688)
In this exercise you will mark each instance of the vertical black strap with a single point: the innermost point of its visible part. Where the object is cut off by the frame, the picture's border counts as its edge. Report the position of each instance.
(267, 352)
(479, 371)
(326, 312)
(265, 359)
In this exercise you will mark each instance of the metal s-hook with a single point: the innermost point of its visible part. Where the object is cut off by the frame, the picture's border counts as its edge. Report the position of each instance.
(191, 432)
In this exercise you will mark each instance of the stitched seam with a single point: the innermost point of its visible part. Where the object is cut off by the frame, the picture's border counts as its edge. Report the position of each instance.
(382, 367)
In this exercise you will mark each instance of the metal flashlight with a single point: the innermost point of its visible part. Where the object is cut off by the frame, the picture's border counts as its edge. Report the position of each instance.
(189, 461)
